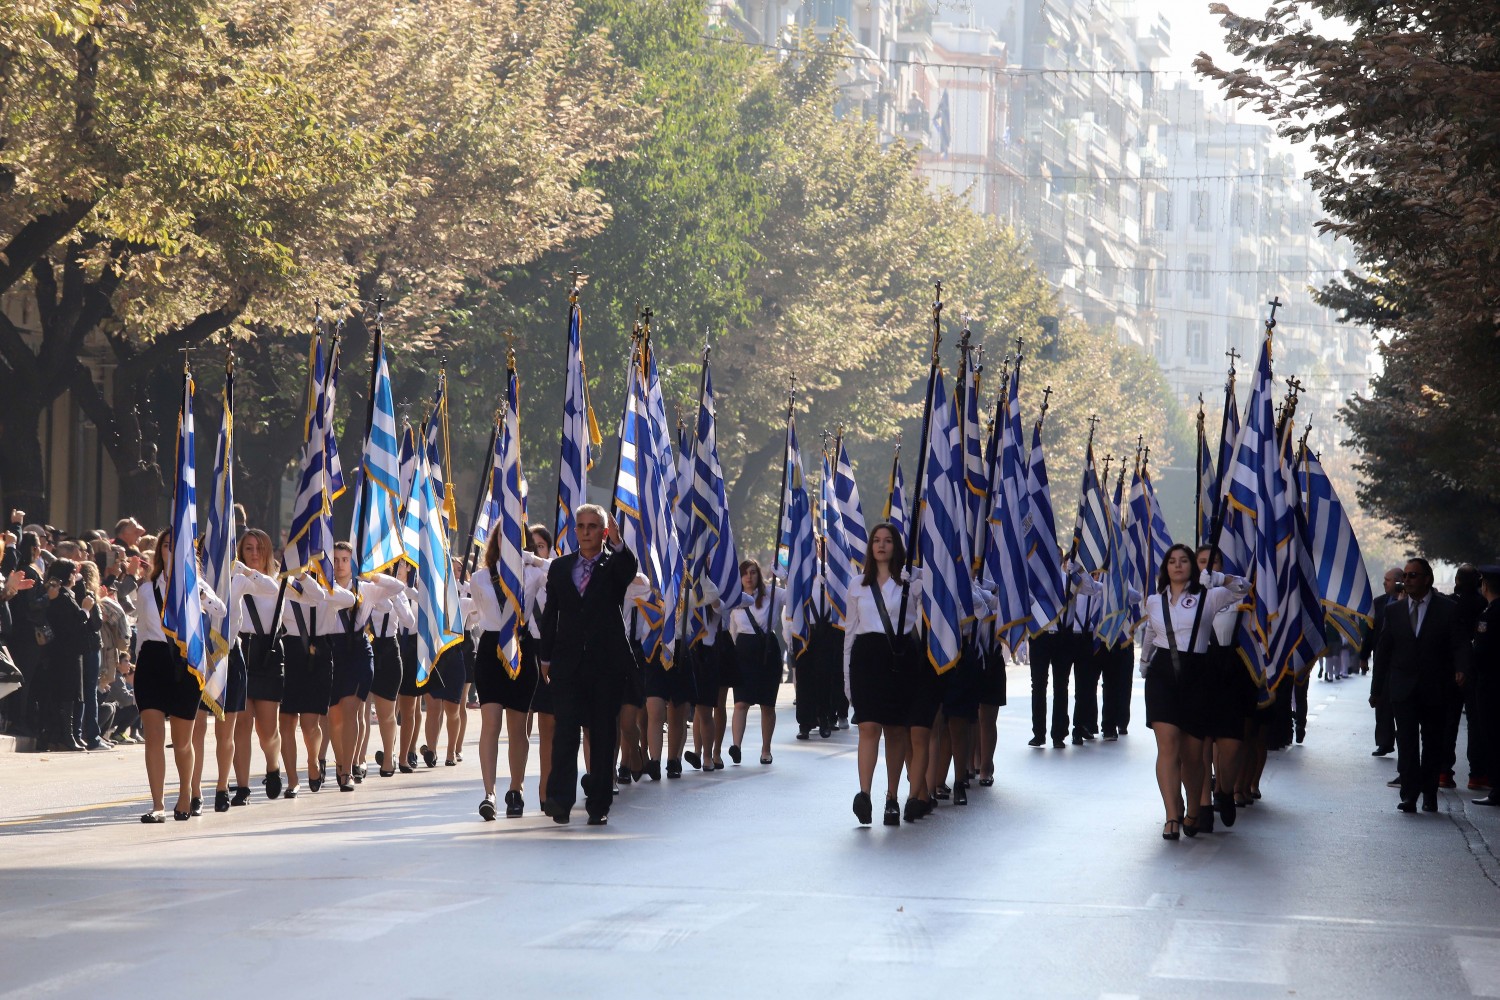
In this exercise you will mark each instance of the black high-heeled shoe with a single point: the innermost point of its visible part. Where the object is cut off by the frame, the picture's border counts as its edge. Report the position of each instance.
(942, 792)
(734, 753)
(693, 758)
(1224, 802)
(346, 782)
(429, 756)
(514, 804)
(316, 783)
(961, 793)
(196, 807)
(863, 809)
(241, 796)
(1205, 819)
(892, 812)
(912, 811)
(1190, 825)
(1168, 833)
(272, 781)
(154, 816)
(221, 801)
(181, 817)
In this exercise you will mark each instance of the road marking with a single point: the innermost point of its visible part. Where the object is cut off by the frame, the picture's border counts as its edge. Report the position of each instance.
(65, 982)
(103, 912)
(1224, 952)
(1481, 964)
(942, 938)
(653, 926)
(1164, 901)
(42, 817)
(363, 918)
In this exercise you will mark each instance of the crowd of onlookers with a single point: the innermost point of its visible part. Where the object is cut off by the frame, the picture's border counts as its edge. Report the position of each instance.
(67, 624)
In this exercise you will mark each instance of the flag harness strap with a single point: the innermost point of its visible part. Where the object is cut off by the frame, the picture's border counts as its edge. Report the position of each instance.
(1166, 615)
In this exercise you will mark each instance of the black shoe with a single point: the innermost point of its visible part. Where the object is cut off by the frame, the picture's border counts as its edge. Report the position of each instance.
(1124, 731)
(1301, 735)
(487, 809)
(221, 801)
(653, 769)
(986, 782)
(1109, 736)
(825, 731)
(802, 733)
(765, 758)
(346, 782)
(359, 773)
(387, 774)
(181, 817)
(942, 792)
(1224, 802)
(196, 807)
(584, 780)
(241, 796)
(1491, 799)
(316, 783)
(1429, 803)
(1058, 744)
(379, 758)
(623, 774)
(272, 781)
(961, 793)
(892, 813)
(1407, 805)
(694, 759)
(154, 817)
(734, 753)
(1190, 826)
(411, 760)
(674, 768)
(429, 756)
(598, 820)
(913, 808)
(514, 805)
(1205, 819)
(405, 768)
(1077, 740)
(1382, 751)
(925, 808)
(290, 793)
(863, 809)
(559, 814)
(1173, 830)
(1088, 736)
(1036, 741)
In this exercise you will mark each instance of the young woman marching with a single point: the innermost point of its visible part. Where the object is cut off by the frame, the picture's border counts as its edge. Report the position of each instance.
(261, 652)
(755, 628)
(1174, 645)
(878, 668)
(312, 618)
(1229, 701)
(353, 661)
(504, 701)
(165, 690)
(446, 687)
(388, 616)
(242, 584)
(820, 669)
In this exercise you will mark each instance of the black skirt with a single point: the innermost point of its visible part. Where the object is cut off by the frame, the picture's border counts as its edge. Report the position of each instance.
(163, 682)
(263, 666)
(308, 688)
(234, 688)
(353, 666)
(388, 667)
(992, 689)
(707, 663)
(1229, 694)
(757, 668)
(1178, 698)
(449, 674)
(492, 679)
(407, 643)
(677, 685)
(891, 688)
(961, 685)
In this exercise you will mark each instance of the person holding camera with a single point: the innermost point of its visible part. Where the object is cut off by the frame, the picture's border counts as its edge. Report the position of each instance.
(68, 623)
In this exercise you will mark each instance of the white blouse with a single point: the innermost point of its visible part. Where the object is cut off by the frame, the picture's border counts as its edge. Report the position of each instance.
(319, 608)
(767, 614)
(1184, 608)
(148, 612)
(390, 615)
(254, 587)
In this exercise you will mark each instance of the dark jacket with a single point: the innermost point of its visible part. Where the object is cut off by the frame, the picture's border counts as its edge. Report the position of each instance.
(1422, 665)
(583, 635)
(1372, 634)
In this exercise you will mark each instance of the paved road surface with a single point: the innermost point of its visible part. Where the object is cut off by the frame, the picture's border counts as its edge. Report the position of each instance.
(757, 882)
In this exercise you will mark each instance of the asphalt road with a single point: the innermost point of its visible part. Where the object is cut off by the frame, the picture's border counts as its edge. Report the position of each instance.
(756, 881)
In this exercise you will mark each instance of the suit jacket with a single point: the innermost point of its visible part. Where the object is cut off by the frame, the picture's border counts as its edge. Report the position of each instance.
(1377, 623)
(583, 635)
(1421, 665)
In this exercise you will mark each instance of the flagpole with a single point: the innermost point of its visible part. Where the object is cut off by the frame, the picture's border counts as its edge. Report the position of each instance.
(638, 347)
(486, 488)
(1217, 529)
(786, 458)
(1088, 456)
(687, 554)
(364, 479)
(913, 530)
(1198, 477)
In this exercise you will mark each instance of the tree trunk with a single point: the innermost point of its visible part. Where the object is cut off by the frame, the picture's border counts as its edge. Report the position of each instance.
(22, 478)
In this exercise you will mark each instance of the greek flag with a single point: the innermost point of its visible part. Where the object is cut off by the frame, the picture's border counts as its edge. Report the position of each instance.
(1005, 552)
(1298, 638)
(488, 510)
(945, 567)
(335, 467)
(895, 501)
(182, 607)
(1091, 530)
(580, 435)
(408, 473)
(439, 624)
(802, 553)
(644, 501)
(510, 527)
(310, 539)
(1206, 499)
(1229, 436)
(218, 556)
(1343, 584)
(1254, 516)
(1044, 576)
(1147, 540)
(376, 524)
(1114, 615)
(838, 560)
(851, 513)
(711, 554)
(661, 508)
(976, 490)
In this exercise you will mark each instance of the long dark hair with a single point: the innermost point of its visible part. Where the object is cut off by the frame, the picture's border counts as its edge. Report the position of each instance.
(898, 555)
(760, 578)
(27, 548)
(1164, 581)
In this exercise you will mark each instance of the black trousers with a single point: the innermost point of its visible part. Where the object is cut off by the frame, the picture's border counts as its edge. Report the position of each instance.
(1385, 721)
(1453, 716)
(601, 717)
(1087, 668)
(1049, 657)
(1421, 732)
(1484, 726)
(1118, 664)
(820, 678)
(1299, 711)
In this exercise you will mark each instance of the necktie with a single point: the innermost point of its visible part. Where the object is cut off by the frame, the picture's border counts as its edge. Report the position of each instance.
(1415, 606)
(583, 578)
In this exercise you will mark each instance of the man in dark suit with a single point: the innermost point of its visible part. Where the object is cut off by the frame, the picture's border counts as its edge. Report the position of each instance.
(1385, 722)
(585, 656)
(1418, 659)
(1483, 678)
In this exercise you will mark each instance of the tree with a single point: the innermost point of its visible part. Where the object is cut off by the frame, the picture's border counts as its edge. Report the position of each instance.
(1402, 119)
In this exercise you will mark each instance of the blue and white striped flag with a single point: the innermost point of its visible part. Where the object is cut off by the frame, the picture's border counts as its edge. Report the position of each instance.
(1298, 637)
(1229, 436)
(944, 564)
(1005, 553)
(408, 475)
(1343, 583)
(838, 559)
(895, 501)
(580, 435)
(310, 539)
(661, 508)
(1091, 529)
(1254, 514)
(976, 471)
(439, 622)
(710, 554)
(644, 502)
(218, 556)
(182, 607)
(851, 512)
(1114, 611)
(1205, 500)
(1147, 539)
(802, 553)
(376, 523)
(1044, 576)
(488, 511)
(510, 527)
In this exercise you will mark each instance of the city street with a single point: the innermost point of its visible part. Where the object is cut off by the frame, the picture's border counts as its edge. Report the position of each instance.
(757, 882)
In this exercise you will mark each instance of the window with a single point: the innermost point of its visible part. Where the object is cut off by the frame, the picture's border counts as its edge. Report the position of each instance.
(1198, 210)
(1163, 283)
(1197, 275)
(1197, 335)
(1164, 211)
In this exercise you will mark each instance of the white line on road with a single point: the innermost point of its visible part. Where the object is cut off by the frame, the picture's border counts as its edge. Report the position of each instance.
(1481, 964)
(65, 982)
(1225, 952)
